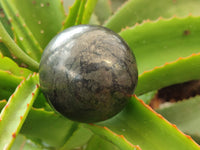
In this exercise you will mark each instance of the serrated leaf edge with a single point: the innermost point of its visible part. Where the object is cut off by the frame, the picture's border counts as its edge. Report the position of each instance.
(110, 132)
(161, 117)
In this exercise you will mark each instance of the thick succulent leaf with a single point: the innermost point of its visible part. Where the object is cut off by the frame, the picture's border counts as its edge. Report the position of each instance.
(54, 129)
(5, 21)
(22, 143)
(155, 43)
(116, 4)
(99, 143)
(46, 21)
(5, 94)
(9, 80)
(133, 12)
(16, 50)
(7, 64)
(118, 140)
(79, 13)
(27, 41)
(41, 102)
(2, 104)
(7, 26)
(185, 69)
(73, 13)
(106, 7)
(142, 126)
(89, 8)
(185, 114)
(8, 84)
(77, 138)
(16, 110)
(10, 76)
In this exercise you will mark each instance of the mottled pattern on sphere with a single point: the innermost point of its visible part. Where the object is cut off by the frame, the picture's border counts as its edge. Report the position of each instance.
(88, 73)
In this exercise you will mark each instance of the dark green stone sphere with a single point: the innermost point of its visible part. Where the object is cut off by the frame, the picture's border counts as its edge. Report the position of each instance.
(88, 73)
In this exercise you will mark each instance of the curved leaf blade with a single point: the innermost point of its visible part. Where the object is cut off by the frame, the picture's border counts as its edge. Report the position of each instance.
(73, 13)
(7, 64)
(16, 110)
(16, 50)
(118, 140)
(89, 8)
(28, 42)
(144, 127)
(182, 70)
(58, 127)
(155, 43)
(46, 18)
(98, 143)
(187, 119)
(131, 12)
(79, 137)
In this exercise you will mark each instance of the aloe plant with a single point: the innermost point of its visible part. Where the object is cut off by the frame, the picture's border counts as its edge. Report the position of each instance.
(164, 36)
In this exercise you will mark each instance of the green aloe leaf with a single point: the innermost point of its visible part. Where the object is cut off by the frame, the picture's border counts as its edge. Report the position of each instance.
(16, 50)
(118, 140)
(89, 8)
(46, 18)
(142, 126)
(71, 17)
(54, 129)
(79, 13)
(7, 64)
(16, 110)
(24, 34)
(2, 104)
(77, 138)
(33, 34)
(7, 25)
(155, 43)
(22, 143)
(10, 76)
(185, 69)
(8, 84)
(98, 143)
(5, 21)
(116, 4)
(185, 114)
(132, 11)
(106, 7)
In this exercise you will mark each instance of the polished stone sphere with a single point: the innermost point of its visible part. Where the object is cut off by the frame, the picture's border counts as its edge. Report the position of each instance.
(88, 73)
